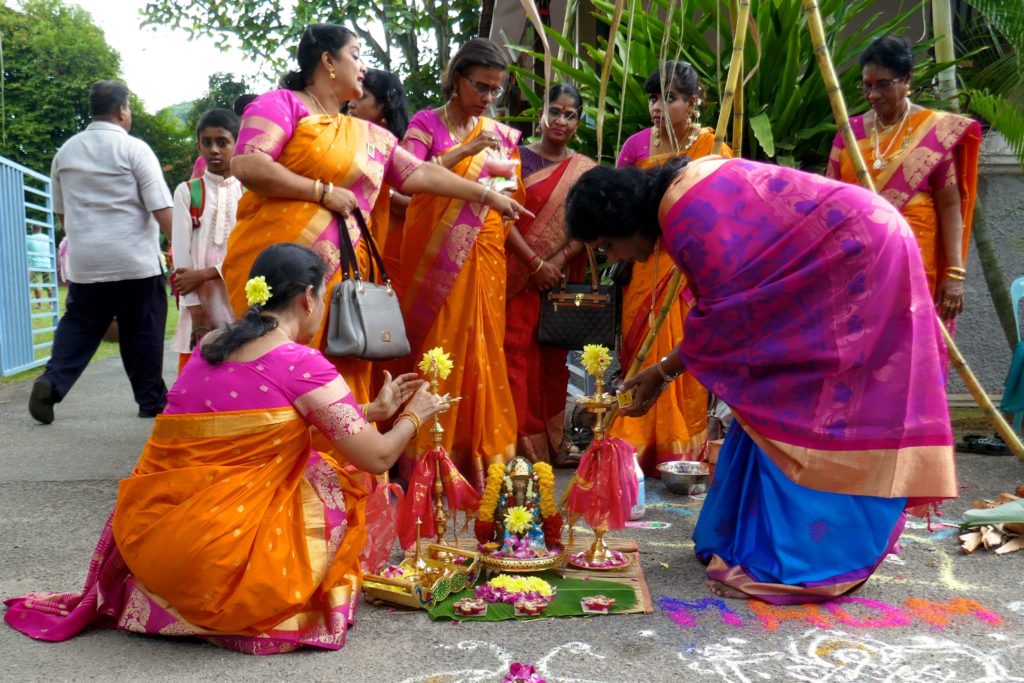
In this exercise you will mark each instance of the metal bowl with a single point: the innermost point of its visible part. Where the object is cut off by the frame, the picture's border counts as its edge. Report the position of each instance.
(685, 476)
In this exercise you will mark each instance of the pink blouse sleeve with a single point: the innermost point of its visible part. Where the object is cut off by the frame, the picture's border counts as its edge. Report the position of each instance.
(419, 139)
(400, 166)
(321, 395)
(631, 152)
(269, 123)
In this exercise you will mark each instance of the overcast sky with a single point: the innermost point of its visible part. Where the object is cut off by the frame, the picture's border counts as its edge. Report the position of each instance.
(162, 66)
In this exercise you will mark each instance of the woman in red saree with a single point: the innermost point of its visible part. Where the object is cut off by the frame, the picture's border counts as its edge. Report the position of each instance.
(304, 164)
(677, 427)
(542, 255)
(232, 527)
(924, 162)
(812, 322)
(452, 280)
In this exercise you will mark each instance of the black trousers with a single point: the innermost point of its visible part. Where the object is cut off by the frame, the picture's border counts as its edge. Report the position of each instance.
(141, 310)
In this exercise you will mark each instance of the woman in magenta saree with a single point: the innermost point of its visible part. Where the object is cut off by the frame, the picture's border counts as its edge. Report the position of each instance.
(813, 322)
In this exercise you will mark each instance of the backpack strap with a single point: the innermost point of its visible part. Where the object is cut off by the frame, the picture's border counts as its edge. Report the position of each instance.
(197, 190)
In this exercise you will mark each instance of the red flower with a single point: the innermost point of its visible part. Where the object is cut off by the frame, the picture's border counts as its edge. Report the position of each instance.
(484, 531)
(552, 530)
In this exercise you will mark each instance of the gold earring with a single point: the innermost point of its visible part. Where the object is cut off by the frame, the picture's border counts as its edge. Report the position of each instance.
(656, 135)
(331, 72)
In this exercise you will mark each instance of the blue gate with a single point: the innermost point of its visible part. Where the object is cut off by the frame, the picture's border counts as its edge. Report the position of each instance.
(29, 308)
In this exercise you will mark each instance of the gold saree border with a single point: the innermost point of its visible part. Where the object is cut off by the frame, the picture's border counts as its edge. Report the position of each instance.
(911, 472)
(735, 577)
(227, 423)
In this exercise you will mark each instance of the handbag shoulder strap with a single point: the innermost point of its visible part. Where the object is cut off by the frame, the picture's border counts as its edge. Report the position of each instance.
(375, 257)
(595, 282)
(349, 261)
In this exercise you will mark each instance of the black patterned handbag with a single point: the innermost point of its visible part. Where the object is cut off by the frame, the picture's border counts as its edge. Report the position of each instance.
(576, 314)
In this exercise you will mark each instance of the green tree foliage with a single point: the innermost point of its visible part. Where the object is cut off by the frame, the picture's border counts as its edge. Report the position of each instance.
(173, 143)
(788, 116)
(52, 53)
(222, 91)
(418, 37)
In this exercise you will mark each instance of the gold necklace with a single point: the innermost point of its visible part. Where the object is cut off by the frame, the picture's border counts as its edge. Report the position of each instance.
(323, 109)
(687, 143)
(882, 158)
(448, 124)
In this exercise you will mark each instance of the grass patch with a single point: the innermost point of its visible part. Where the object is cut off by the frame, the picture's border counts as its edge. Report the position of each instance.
(105, 350)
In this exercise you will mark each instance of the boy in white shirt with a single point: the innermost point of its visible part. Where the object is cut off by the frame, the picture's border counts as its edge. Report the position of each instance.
(203, 216)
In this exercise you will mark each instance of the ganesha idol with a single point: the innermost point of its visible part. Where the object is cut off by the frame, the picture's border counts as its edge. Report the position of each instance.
(517, 526)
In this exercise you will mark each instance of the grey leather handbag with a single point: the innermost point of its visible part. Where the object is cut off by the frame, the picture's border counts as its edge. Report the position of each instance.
(365, 318)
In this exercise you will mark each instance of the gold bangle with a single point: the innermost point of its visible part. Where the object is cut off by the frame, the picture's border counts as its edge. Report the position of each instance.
(437, 160)
(318, 190)
(956, 269)
(539, 266)
(956, 276)
(411, 417)
(327, 193)
(665, 377)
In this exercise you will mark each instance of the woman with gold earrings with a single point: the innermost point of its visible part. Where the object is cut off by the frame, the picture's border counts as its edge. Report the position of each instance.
(540, 256)
(452, 281)
(676, 428)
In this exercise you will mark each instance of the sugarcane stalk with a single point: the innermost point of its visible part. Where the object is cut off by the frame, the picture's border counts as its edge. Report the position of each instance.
(606, 72)
(945, 51)
(835, 96)
(835, 93)
(956, 359)
(731, 80)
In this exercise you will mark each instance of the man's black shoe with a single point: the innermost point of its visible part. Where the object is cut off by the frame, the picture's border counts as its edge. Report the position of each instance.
(40, 403)
(143, 412)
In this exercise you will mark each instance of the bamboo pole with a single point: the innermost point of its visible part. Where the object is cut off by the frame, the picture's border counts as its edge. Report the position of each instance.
(606, 71)
(735, 67)
(835, 97)
(835, 93)
(945, 52)
(738, 112)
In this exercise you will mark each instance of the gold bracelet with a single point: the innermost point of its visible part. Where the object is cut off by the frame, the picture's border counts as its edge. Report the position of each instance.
(539, 266)
(956, 276)
(437, 160)
(318, 190)
(411, 417)
(483, 195)
(327, 193)
(956, 269)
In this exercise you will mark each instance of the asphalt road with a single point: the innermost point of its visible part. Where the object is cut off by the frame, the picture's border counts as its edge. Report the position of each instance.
(929, 614)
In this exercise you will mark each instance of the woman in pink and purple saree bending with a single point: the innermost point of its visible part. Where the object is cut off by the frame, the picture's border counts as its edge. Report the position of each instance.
(813, 322)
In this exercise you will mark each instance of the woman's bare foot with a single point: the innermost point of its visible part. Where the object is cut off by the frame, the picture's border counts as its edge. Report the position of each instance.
(723, 591)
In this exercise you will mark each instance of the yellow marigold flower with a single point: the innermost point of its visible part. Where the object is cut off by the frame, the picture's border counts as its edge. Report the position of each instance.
(257, 291)
(596, 359)
(492, 489)
(518, 519)
(436, 356)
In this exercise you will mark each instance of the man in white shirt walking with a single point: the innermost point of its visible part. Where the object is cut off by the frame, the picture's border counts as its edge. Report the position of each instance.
(109, 194)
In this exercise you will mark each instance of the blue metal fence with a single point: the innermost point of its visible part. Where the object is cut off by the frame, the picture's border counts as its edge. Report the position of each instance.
(29, 307)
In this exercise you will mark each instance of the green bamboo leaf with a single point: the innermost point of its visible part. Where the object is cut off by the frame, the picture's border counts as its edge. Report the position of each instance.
(762, 127)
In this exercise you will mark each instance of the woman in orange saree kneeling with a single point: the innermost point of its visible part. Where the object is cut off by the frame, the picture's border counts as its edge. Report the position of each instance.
(232, 528)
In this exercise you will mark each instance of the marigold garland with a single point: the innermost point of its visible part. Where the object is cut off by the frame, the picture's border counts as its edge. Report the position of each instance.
(489, 499)
(546, 479)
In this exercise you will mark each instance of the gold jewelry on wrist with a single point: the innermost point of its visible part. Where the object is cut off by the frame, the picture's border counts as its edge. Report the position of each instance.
(318, 190)
(665, 377)
(540, 264)
(955, 276)
(437, 160)
(956, 270)
(328, 191)
(411, 417)
(483, 195)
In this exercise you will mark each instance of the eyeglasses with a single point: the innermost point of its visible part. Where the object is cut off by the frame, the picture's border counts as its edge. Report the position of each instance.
(567, 114)
(484, 90)
(883, 85)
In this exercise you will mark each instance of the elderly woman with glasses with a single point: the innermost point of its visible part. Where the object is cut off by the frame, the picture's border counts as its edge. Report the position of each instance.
(924, 162)
(452, 277)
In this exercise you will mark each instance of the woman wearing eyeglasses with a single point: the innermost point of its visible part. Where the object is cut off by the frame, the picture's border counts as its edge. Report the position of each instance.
(540, 254)
(924, 162)
(452, 279)
(677, 427)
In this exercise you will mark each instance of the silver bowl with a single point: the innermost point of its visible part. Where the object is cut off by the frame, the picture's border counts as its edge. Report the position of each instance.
(687, 477)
